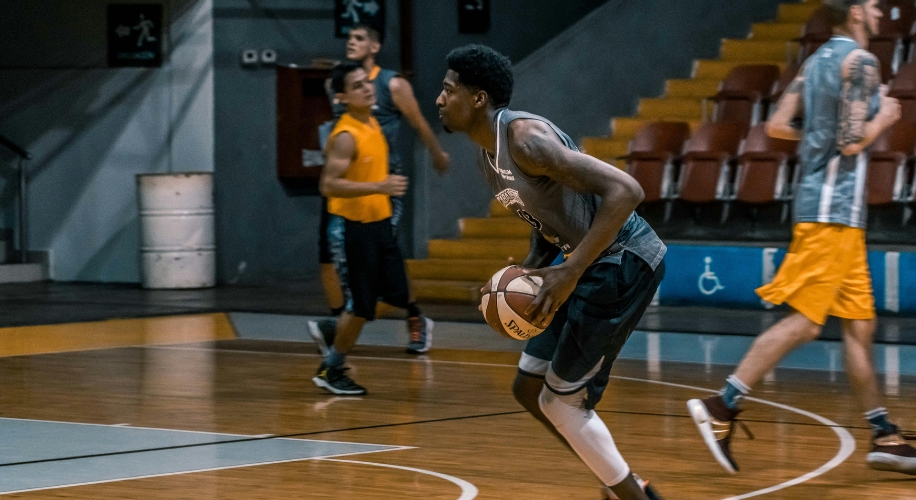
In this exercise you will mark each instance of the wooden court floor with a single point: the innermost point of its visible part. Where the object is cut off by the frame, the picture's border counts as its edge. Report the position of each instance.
(451, 411)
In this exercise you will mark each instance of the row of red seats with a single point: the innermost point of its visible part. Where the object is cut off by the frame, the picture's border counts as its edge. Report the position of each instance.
(719, 163)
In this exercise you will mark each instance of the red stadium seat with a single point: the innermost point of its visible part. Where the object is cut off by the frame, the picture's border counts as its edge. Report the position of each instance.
(744, 94)
(764, 168)
(705, 171)
(888, 165)
(651, 157)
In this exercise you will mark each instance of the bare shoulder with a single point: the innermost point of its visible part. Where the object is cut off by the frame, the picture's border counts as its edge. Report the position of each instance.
(341, 144)
(533, 142)
(399, 84)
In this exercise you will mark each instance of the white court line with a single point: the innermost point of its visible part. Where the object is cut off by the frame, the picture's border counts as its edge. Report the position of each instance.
(468, 490)
(240, 466)
(847, 442)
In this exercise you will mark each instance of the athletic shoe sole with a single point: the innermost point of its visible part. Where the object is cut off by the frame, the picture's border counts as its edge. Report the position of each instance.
(892, 463)
(320, 382)
(318, 337)
(703, 420)
(429, 338)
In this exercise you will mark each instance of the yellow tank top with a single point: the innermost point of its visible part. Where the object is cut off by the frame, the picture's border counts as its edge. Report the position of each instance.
(370, 165)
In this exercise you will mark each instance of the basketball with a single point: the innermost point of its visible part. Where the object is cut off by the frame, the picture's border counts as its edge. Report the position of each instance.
(511, 291)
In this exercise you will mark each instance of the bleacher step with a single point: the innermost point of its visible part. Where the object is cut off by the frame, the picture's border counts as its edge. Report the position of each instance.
(501, 228)
(776, 31)
(454, 269)
(480, 248)
(605, 149)
(687, 109)
(447, 292)
(796, 12)
(692, 88)
(715, 69)
(754, 50)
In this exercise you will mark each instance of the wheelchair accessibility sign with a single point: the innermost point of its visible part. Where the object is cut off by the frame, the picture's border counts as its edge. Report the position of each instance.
(709, 282)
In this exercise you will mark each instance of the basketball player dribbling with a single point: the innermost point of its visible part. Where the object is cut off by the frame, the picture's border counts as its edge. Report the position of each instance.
(825, 272)
(591, 302)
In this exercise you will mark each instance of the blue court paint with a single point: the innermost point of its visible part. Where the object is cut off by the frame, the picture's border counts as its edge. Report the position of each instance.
(722, 276)
(33, 440)
(730, 349)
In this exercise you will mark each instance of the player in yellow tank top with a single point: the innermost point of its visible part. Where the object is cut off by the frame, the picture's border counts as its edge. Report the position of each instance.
(369, 165)
(358, 186)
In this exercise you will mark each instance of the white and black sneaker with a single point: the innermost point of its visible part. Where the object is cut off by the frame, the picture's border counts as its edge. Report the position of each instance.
(323, 332)
(334, 380)
(891, 452)
(421, 334)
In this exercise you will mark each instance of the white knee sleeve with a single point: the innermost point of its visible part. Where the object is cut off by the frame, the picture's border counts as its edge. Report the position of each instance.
(586, 433)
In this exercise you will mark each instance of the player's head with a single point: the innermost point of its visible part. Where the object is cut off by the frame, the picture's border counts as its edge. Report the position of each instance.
(364, 41)
(351, 85)
(478, 79)
(853, 13)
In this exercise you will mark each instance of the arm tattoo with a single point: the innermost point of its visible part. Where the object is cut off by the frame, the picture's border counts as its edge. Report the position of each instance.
(858, 89)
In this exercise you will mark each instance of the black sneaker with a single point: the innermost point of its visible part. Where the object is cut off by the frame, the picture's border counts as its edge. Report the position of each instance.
(716, 423)
(334, 380)
(323, 332)
(648, 490)
(890, 452)
(421, 334)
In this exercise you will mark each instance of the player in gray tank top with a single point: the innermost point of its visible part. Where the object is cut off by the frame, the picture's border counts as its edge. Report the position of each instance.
(825, 273)
(584, 207)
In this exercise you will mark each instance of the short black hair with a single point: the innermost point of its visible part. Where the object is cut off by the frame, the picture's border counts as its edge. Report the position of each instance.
(482, 67)
(374, 33)
(339, 75)
(837, 11)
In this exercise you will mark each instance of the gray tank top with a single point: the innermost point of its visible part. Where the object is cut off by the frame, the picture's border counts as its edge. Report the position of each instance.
(563, 216)
(831, 186)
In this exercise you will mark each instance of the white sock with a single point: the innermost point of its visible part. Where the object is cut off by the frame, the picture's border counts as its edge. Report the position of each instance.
(586, 433)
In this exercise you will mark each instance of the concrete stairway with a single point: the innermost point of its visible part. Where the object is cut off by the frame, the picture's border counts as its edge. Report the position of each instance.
(768, 43)
(457, 269)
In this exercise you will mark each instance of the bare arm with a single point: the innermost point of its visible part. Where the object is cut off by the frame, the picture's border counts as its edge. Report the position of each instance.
(780, 125)
(403, 97)
(861, 80)
(539, 152)
(340, 153)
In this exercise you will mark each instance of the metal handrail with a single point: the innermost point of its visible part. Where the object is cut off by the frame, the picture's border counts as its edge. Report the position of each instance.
(24, 157)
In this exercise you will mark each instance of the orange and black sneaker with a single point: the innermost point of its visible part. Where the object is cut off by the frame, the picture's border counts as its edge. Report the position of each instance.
(891, 452)
(716, 423)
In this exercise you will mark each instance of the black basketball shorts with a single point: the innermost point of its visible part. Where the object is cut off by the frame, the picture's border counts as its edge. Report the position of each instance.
(589, 330)
(375, 267)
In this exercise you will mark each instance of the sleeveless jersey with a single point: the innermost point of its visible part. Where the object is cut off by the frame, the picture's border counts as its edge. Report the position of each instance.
(370, 165)
(832, 186)
(385, 111)
(563, 216)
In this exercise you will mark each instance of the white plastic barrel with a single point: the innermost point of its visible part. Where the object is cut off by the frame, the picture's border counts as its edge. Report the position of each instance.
(177, 244)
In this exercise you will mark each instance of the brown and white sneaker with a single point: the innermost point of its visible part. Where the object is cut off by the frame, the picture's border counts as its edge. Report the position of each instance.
(716, 423)
(891, 452)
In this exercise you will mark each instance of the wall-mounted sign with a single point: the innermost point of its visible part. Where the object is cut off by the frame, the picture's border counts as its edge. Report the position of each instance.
(350, 12)
(473, 16)
(135, 35)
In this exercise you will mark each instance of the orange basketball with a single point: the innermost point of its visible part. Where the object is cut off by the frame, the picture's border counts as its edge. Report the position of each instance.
(510, 292)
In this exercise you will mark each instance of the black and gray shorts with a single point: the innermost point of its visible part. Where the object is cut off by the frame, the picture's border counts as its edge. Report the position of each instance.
(589, 330)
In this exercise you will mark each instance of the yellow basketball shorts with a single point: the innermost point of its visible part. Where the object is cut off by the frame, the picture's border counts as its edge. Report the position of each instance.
(825, 273)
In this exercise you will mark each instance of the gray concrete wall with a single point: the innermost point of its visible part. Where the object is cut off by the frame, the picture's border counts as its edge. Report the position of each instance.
(91, 129)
